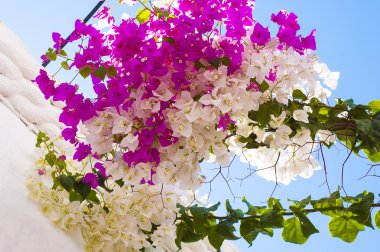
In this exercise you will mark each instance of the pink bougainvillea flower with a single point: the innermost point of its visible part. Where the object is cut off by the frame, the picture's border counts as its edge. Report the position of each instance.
(309, 41)
(260, 35)
(63, 91)
(58, 41)
(271, 75)
(101, 168)
(225, 121)
(286, 20)
(45, 84)
(69, 117)
(166, 139)
(69, 134)
(104, 14)
(83, 150)
(91, 179)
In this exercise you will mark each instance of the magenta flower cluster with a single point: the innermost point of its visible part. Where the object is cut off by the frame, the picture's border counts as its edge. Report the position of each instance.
(163, 53)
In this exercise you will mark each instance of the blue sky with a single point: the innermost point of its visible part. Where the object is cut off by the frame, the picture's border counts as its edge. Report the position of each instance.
(348, 36)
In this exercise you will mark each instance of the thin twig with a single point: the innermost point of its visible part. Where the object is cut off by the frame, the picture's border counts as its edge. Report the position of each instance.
(344, 163)
(324, 167)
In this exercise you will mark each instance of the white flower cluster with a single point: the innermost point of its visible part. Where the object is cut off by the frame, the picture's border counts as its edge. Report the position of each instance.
(285, 157)
(132, 212)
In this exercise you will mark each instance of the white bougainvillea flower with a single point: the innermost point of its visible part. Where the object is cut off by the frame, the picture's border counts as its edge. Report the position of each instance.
(302, 137)
(326, 136)
(301, 115)
(281, 137)
(330, 79)
(121, 125)
(130, 141)
(128, 2)
(277, 121)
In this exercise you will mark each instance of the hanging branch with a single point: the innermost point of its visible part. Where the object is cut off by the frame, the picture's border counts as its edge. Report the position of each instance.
(95, 9)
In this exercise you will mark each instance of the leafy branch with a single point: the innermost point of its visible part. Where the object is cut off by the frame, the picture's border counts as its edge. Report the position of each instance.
(356, 126)
(349, 215)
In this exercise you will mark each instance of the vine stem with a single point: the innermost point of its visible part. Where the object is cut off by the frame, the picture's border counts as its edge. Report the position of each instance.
(85, 20)
(307, 211)
(145, 6)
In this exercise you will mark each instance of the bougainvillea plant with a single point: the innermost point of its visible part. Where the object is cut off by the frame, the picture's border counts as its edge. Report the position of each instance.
(181, 83)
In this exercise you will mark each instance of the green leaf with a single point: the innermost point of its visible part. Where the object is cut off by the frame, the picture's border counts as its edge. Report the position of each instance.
(253, 210)
(202, 212)
(189, 235)
(350, 103)
(216, 62)
(263, 115)
(248, 230)
(65, 65)
(264, 86)
(345, 228)
(111, 71)
(100, 72)
(233, 214)
(299, 95)
(374, 106)
(364, 125)
(201, 221)
(170, 40)
(299, 205)
(324, 111)
(333, 201)
(82, 189)
(377, 219)
(215, 240)
(67, 182)
(60, 164)
(51, 158)
(179, 234)
(93, 197)
(307, 227)
(298, 229)
(159, 13)
(226, 61)
(275, 204)
(73, 196)
(102, 181)
(362, 208)
(198, 65)
(41, 138)
(56, 182)
(251, 227)
(85, 71)
(376, 125)
(228, 206)
(226, 230)
(214, 207)
(143, 15)
(119, 182)
(51, 54)
(292, 231)
(63, 53)
(272, 219)
(372, 157)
